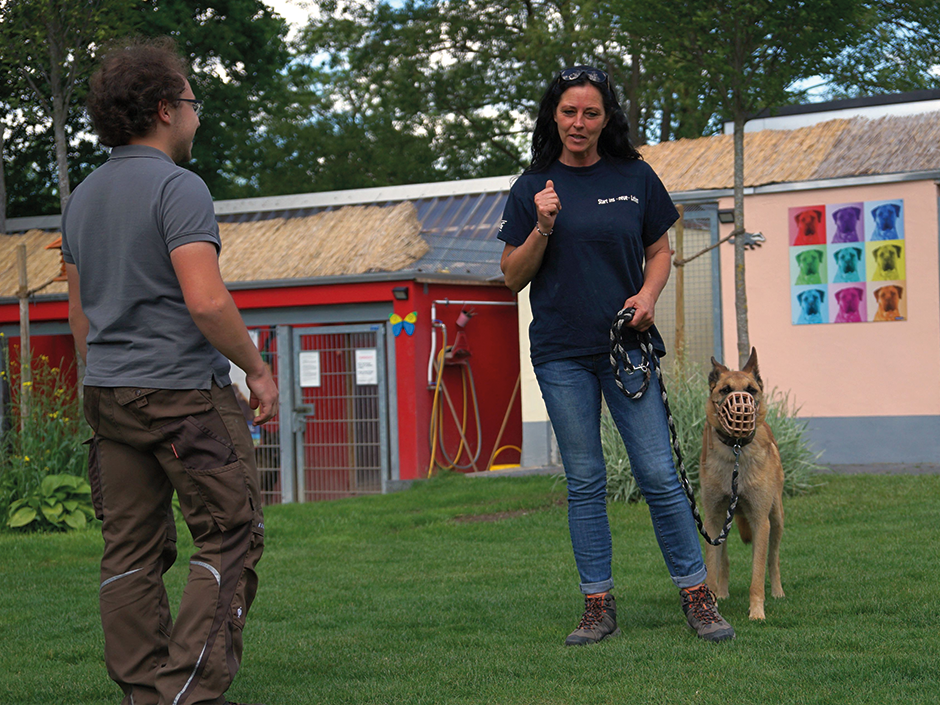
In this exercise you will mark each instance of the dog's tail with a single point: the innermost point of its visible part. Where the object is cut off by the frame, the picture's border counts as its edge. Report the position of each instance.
(744, 528)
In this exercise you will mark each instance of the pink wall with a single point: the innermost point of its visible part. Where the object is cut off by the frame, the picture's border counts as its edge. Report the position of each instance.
(844, 369)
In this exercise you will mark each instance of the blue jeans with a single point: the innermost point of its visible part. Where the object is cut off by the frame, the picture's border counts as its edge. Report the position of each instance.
(572, 388)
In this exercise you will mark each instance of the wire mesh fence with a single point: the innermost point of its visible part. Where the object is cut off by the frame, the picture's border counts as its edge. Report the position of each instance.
(702, 312)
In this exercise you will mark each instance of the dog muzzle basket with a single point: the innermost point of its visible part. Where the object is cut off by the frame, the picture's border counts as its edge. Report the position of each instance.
(738, 415)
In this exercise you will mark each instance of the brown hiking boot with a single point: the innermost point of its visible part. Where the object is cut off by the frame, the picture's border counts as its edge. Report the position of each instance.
(701, 612)
(598, 622)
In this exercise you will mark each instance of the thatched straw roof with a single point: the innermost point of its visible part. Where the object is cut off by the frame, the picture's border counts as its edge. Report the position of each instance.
(42, 265)
(350, 240)
(827, 150)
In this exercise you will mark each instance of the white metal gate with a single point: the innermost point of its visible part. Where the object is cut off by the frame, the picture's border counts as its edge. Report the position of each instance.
(340, 411)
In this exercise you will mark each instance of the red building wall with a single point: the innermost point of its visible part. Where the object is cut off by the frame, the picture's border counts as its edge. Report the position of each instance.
(491, 336)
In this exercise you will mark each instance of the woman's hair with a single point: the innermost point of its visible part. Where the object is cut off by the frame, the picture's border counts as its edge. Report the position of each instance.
(129, 84)
(614, 142)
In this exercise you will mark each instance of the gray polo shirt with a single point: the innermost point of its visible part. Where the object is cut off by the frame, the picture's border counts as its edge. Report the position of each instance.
(118, 229)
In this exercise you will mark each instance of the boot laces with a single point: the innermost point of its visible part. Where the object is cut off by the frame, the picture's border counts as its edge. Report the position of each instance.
(702, 605)
(593, 613)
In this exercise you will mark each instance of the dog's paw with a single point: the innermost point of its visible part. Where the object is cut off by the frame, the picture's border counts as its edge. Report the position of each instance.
(777, 592)
(756, 613)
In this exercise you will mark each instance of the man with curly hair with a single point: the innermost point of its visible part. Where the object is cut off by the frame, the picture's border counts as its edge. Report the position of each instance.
(153, 320)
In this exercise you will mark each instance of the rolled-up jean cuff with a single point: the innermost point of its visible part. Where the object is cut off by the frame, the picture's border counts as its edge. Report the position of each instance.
(594, 588)
(688, 581)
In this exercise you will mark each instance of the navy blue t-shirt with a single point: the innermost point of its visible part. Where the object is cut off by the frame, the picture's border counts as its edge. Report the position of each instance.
(610, 212)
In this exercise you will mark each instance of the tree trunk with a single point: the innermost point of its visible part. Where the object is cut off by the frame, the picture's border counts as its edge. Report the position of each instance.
(633, 110)
(665, 124)
(3, 193)
(60, 112)
(680, 287)
(740, 286)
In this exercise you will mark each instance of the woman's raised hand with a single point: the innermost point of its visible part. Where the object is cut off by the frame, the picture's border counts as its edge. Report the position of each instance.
(547, 204)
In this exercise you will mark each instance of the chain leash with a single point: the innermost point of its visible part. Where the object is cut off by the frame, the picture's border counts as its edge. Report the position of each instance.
(618, 355)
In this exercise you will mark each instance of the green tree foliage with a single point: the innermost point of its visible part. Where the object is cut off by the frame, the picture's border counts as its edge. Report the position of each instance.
(50, 46)
(377, 92)
(897, 49)
(237, 51)
(465, 76)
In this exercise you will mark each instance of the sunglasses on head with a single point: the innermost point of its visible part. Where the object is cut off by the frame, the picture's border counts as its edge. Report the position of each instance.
(593, 75)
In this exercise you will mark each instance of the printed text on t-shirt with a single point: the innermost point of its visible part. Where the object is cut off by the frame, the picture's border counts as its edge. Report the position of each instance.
(602, 201)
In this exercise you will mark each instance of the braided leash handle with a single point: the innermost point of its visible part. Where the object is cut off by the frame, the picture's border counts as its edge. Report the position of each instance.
(618, 354)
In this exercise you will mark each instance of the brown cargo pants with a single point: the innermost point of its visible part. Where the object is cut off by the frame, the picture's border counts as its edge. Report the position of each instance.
(147, 443)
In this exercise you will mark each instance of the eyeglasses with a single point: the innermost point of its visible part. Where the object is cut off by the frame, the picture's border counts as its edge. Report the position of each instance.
(197, 104)
(594, 75)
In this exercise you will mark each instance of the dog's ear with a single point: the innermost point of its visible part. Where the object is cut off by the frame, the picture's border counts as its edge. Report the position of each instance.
(751, 363)
(839, 294)
(858, 251)
(897, 248)
(900, 291)
(750, 367)
(897, 209)
(717, 370)
(800, 256)
(858, 211)
(818, 215)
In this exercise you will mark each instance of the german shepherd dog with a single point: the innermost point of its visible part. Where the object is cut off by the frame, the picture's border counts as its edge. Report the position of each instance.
(735, 413)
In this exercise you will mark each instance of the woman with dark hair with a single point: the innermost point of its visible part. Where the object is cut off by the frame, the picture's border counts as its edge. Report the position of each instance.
(586, 224)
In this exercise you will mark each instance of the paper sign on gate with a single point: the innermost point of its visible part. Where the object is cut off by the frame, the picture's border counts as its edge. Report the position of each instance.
(310, 369)
(367, 367)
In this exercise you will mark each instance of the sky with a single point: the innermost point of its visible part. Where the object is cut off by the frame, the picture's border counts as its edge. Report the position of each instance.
(294, 11)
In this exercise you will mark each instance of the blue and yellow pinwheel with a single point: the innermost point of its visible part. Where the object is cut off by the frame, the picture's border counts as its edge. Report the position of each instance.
(408, 323)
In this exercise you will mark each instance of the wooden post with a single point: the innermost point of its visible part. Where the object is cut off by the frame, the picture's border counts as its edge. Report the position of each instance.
(680, 286)
(26, 377)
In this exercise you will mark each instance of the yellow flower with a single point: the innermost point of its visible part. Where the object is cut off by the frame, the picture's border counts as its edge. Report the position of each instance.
(27, 384)
(54, 370)
(26, 458)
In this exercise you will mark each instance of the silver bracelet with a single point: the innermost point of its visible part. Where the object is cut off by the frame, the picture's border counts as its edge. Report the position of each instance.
(539, 230)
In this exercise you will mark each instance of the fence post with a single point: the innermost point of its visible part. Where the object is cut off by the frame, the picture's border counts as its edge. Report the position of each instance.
(26, 375)
(680, 285)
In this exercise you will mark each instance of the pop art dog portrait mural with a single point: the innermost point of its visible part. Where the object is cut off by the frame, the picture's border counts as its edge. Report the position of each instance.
(847, 262)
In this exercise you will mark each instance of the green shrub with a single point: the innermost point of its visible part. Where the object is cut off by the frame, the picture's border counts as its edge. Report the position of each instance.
(48, 443)
(60, 502)
(687, 388)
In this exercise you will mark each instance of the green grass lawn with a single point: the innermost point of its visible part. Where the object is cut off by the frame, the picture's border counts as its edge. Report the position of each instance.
(462, 590)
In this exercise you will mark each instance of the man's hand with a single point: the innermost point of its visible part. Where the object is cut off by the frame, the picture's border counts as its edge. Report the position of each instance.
(264, 395)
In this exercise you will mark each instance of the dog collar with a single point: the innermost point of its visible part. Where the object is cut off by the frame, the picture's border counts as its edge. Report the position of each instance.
(731, 442)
